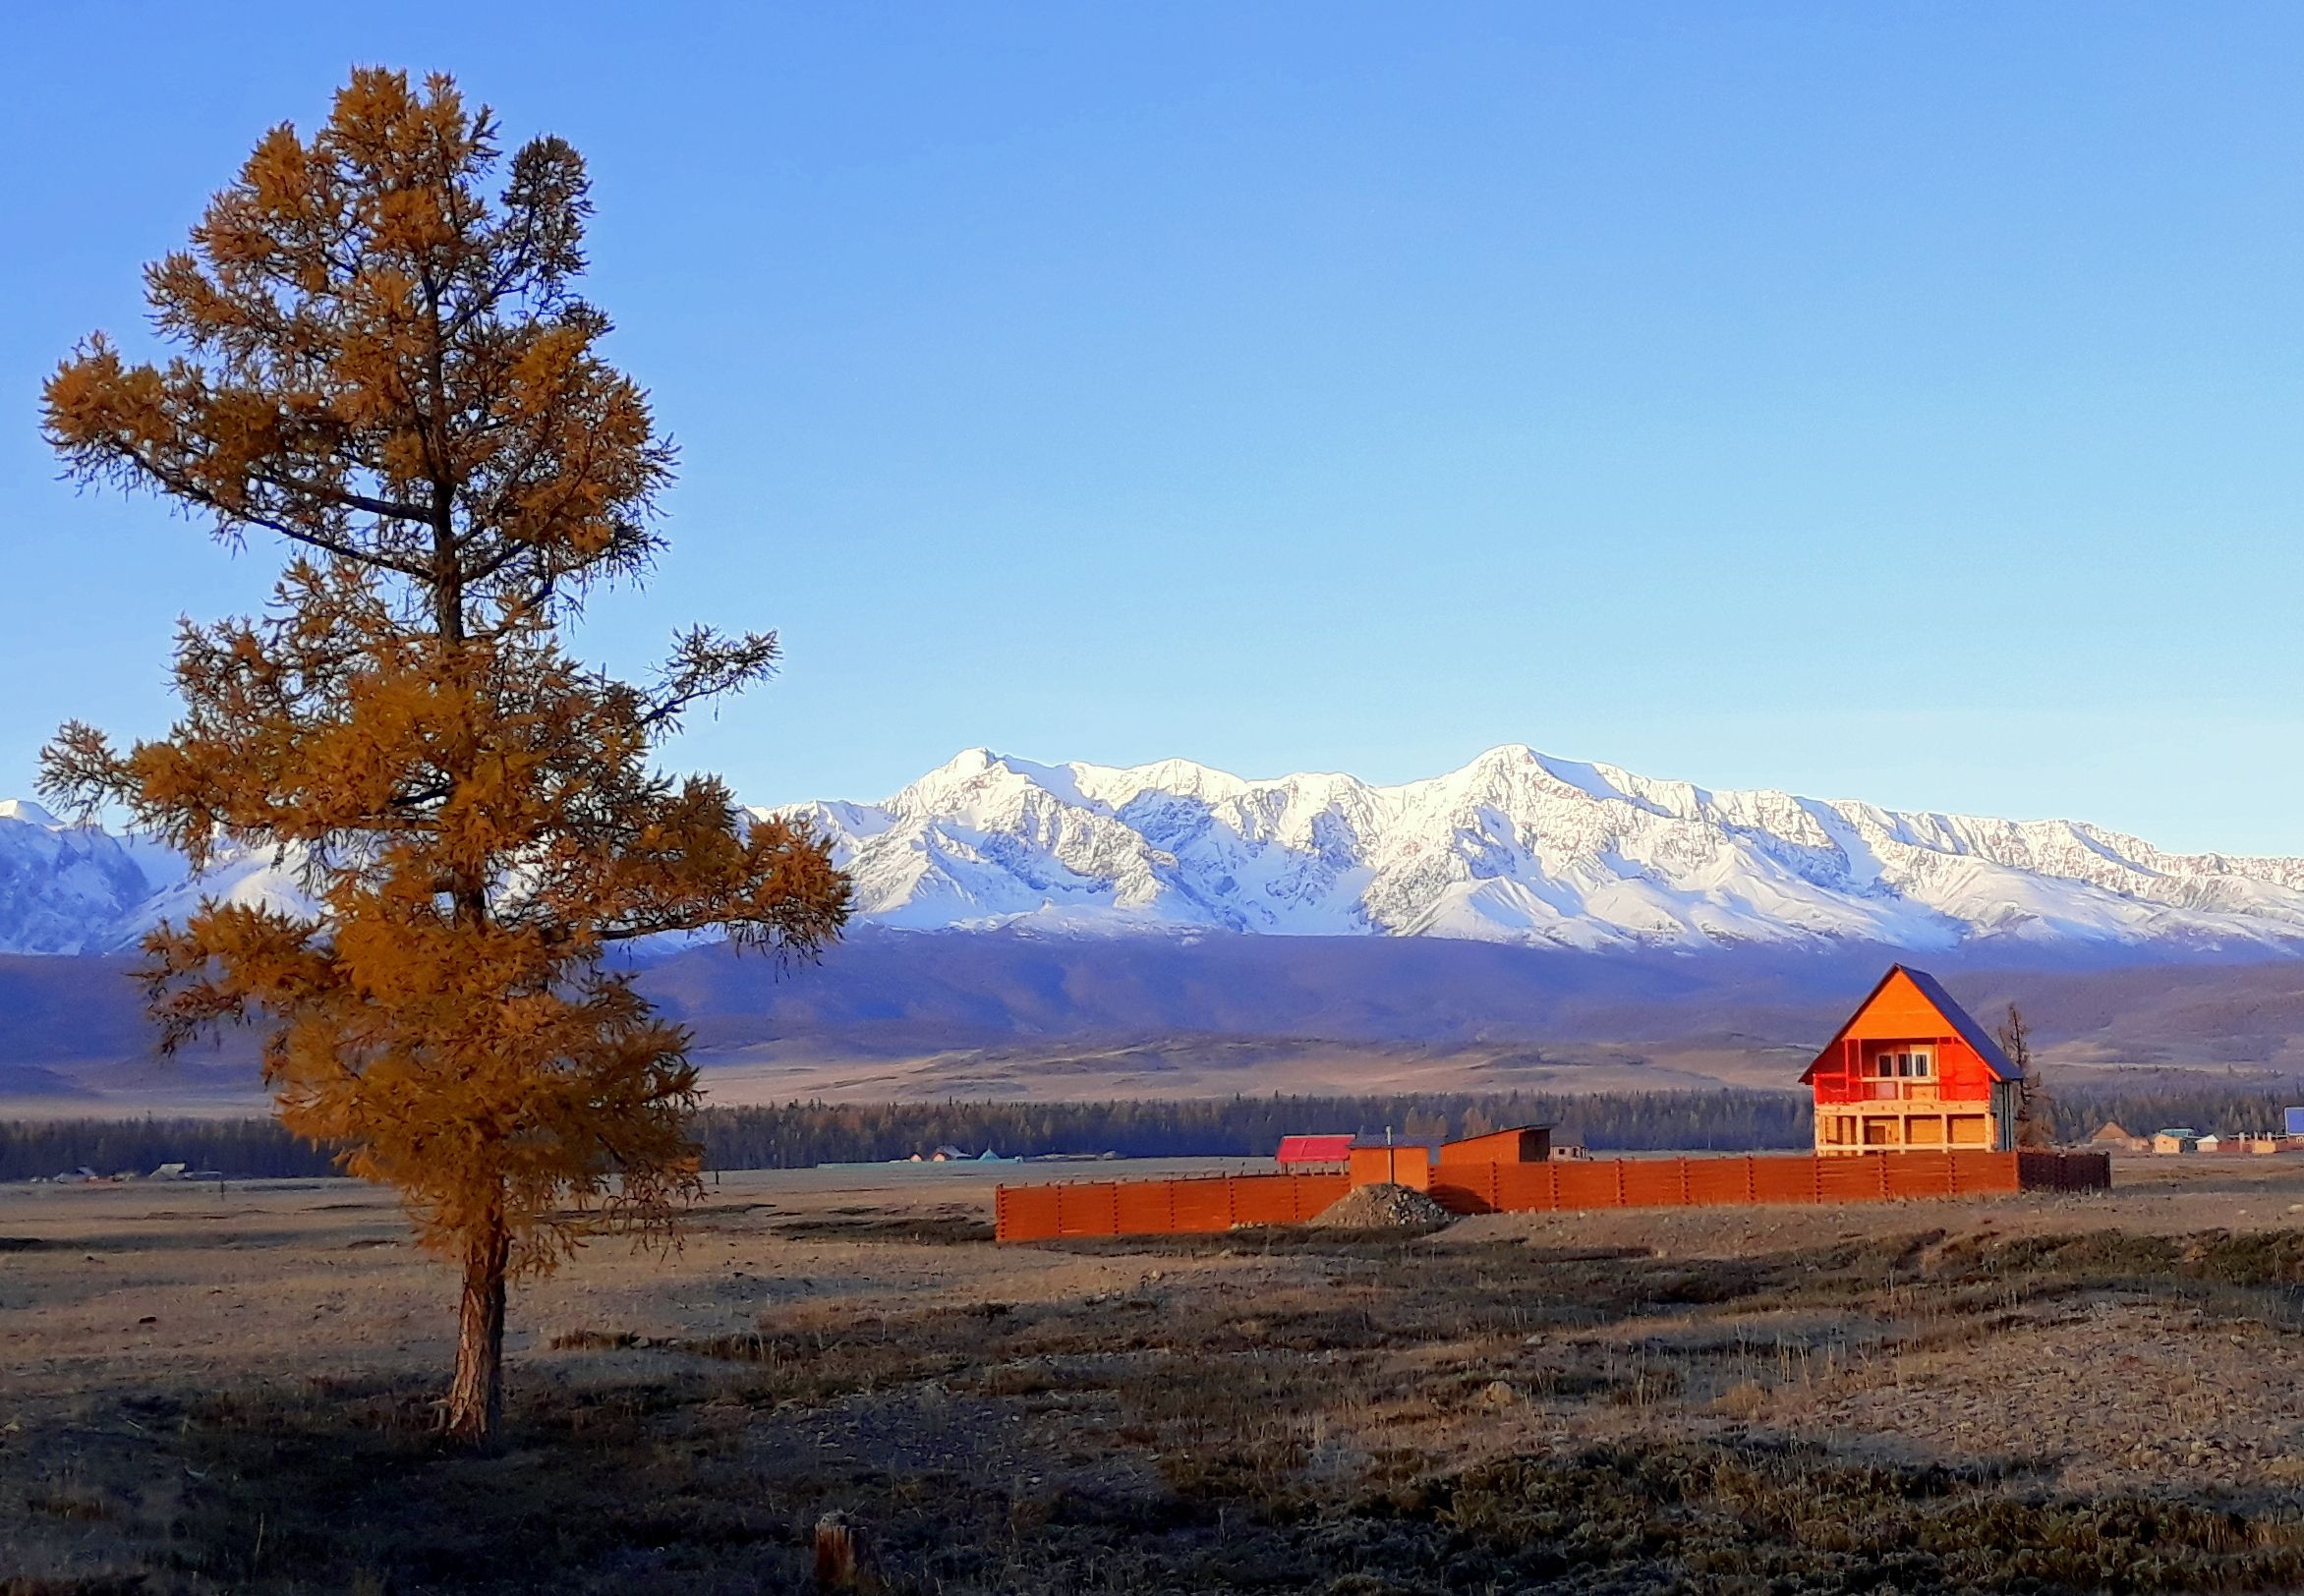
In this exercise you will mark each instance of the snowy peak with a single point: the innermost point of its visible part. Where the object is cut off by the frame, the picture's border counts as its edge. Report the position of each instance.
(1520, 846)
(63, 888)
(78, 888)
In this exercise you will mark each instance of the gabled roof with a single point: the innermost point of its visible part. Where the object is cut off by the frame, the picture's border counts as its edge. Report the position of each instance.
(1314, 1148)
(1956, 1019)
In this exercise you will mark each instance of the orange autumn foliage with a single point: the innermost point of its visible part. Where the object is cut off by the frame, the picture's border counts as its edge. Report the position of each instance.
(389, 369)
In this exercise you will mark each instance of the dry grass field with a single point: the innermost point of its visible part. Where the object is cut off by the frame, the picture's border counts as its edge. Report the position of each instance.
(229, 1392)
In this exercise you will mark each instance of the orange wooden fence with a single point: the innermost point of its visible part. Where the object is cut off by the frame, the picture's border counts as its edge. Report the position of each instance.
(1221, 1202)
(1151, 1207)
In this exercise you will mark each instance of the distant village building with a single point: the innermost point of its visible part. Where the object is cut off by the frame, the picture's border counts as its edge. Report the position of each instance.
(2113, 1137)
(1912, 1071)
(2176, 1139)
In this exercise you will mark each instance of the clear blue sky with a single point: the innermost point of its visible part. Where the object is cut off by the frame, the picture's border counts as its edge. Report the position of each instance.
(1899, 401)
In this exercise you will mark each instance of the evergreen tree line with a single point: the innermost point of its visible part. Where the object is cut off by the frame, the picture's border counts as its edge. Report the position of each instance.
(803, 1133)
(797, 1136)
(243, 1149)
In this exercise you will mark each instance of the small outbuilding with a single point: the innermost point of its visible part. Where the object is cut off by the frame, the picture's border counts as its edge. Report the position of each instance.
(1416, 1165)
(1403, 1164)
(1300, 1150)
(1522, 1144)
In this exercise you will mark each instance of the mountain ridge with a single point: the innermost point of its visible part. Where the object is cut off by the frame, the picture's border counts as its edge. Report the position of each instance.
(1525, 847)
(1513, 846)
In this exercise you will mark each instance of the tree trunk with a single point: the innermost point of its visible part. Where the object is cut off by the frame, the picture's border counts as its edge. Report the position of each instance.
(476, 1402)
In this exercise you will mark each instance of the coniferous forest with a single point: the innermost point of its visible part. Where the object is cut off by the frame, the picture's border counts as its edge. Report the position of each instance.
(797, 1136)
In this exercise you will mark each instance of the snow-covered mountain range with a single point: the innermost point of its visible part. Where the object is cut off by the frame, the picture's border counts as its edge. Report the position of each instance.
(1521, 848)
(1516, 847)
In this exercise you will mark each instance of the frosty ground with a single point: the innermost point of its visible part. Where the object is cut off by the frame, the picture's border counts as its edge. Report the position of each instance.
(208, 1392)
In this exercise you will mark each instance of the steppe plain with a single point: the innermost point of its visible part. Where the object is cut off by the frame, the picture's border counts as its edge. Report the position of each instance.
(210, 1390)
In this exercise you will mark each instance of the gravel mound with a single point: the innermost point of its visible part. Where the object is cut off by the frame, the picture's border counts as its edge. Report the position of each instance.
(1383, 1207)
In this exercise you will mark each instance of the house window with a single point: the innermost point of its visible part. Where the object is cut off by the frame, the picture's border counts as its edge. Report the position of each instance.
(1911, 1064)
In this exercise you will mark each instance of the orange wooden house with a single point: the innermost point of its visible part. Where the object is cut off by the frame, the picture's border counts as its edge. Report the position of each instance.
(1911, 1071)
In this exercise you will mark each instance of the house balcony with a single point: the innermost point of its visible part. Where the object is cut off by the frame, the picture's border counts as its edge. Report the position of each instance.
(1872, 1090)
(1879, 1097)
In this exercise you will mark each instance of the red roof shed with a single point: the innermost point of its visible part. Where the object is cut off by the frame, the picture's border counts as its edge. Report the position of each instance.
(1315, 1150)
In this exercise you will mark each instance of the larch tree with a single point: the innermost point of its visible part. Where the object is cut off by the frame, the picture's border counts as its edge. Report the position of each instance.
(2033, 1123)
(382, 359)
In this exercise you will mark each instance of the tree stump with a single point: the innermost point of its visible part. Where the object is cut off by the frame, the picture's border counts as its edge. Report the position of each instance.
(837, 1558)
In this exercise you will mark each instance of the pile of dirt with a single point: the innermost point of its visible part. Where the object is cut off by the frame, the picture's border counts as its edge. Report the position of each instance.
(1383, 1207)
